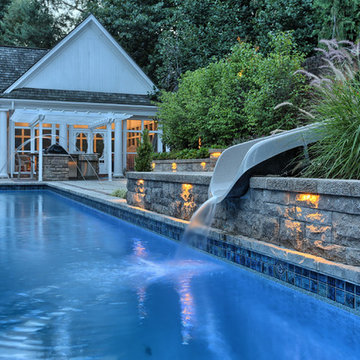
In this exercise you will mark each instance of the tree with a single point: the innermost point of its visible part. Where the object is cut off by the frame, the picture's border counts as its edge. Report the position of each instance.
(272, 16)
(199, 32)
(338, 19)
(29, 23)
(144, 153)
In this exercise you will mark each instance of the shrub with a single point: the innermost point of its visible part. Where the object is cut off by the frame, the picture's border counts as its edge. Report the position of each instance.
(235, 97)
(337, 154)
(144, 153)
(120, 193)
(201, 153)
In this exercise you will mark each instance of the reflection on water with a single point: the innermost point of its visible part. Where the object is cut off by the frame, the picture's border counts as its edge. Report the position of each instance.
(187, 307)
(77, 284)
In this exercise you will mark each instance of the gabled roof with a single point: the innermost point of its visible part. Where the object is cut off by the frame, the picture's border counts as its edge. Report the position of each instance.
(59, 61)
(78, 96)
(15, 61)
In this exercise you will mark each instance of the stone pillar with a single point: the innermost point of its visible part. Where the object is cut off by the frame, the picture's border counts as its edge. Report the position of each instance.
(118, 167)
(108, 151)
(3, 144)
(63, 139)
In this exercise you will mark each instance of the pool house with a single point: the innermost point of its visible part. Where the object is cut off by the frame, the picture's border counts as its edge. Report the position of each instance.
(85, 94)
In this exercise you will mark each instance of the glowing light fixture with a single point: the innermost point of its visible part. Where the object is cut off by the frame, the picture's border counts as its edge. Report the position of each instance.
(215, 155)
(309, 199)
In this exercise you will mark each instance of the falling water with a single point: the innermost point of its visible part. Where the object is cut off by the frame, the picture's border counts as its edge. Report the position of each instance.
(198, 229)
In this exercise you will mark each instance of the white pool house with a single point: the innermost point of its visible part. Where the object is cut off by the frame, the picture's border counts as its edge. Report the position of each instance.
(86, 94)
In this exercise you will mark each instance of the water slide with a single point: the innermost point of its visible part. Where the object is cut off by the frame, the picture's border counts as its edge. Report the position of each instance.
(261, 156)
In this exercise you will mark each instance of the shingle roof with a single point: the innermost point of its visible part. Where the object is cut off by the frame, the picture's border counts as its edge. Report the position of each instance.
(78, 96)
(15, 61)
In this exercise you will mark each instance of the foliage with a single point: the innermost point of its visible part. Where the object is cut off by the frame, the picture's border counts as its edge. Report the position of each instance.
(338, 19)
(275, 80)
(337, 154)
(234, 97)
(283, 15)
(29, 23)
(144, 153)
(197, 33)
(120, 193)
(201, 153)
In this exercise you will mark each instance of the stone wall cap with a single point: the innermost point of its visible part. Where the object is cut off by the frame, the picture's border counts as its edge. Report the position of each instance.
(202, 178)
(56, 155)
(183, 161)
(306, 185)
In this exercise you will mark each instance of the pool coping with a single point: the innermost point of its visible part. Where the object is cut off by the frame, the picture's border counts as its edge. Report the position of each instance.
(332, 281)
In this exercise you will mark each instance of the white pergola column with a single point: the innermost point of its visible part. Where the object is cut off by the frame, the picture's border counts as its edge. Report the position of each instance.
(11, 147)
(108, 150)
(124, 143)
(40, 151)
(53, 134)
(3, 144)
(159, 142)
(118, 166)
(63, 136)
(72, 141)
(90, 142)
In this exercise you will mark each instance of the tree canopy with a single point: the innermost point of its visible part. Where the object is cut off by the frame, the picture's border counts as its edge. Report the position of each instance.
(29, 23)
(168, 38)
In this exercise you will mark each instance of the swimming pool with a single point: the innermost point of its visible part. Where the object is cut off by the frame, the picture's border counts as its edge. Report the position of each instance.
(79, 284)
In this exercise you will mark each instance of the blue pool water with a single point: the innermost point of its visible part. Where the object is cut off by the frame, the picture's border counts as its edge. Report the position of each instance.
(78, 284)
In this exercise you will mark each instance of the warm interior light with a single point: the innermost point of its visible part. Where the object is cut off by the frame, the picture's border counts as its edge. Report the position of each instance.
(173, 167)
(153, 165)
(215, 155)
(203, 165)
(309, 199)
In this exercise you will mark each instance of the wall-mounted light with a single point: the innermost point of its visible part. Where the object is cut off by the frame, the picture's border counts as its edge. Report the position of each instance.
(215, 155)
(309, 199)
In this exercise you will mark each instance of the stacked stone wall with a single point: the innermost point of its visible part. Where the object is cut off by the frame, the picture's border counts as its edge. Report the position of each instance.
(318, 217)
(185, 165)
(55, 167)
(176, 195)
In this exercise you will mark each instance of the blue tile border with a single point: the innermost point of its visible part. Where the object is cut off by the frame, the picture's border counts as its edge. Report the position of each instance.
(337, 290)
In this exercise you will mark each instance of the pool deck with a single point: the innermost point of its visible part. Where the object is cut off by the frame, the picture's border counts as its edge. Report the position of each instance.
(97, 187)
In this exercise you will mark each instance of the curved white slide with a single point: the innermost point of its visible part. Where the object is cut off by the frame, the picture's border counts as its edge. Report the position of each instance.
(235, 163)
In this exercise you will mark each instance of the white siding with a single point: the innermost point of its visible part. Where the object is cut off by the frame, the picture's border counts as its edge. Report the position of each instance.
(88, 62)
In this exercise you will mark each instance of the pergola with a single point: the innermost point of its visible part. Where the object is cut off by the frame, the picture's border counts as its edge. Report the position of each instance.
(66, 121)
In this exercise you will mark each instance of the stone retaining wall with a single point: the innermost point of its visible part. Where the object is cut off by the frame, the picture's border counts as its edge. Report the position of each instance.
(55, 167)
(314, 216)
(177, 195)
(187, 165)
